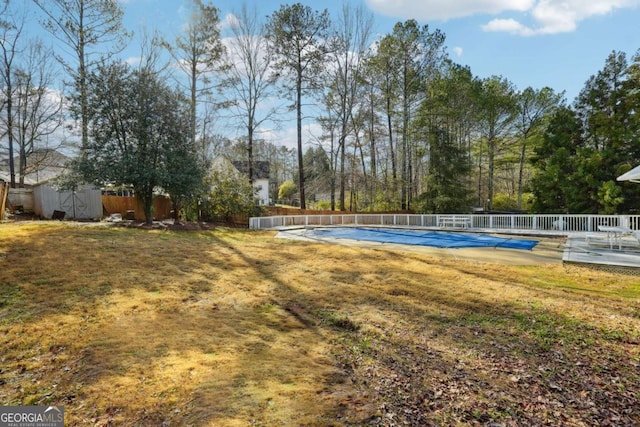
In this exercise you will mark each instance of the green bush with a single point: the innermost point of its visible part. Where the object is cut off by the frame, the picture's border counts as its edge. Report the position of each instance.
(504, 202)
(323, 205)
(230, 195)
(287, 190)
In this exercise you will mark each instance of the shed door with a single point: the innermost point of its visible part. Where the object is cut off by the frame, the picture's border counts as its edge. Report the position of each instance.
(75, 204)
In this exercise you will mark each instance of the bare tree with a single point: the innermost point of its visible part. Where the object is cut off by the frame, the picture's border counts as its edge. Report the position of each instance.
(93, 30)
(250, 77)
(497, 115)
(330, 123)
(38, 112)
(11, 28)
(352, 36)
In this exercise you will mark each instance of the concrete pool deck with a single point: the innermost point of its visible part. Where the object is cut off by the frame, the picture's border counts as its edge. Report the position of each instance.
(551, 249)
(579, 251)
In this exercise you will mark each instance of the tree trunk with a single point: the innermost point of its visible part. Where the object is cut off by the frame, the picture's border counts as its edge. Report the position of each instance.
(491, 152)
(23, 164)
(250, 148)
(82, 82)
(394, 173)
(334, 166)
(194, 82)
(303, 204)
(374, 169)
(343, 175)
(12, 166)
(146, 197)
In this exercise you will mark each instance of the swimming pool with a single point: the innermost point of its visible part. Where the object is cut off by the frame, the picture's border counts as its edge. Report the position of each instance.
(438, 239)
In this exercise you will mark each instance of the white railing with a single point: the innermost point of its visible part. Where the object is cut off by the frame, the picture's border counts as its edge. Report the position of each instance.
(552, 224)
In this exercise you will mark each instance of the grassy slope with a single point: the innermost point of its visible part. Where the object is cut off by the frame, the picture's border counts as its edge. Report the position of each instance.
(132, 327)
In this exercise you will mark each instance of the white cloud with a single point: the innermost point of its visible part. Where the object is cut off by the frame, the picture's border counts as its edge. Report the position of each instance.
(507, 26)
(541, 16)
(134, 61)
(457, 50)
(287, 135)
(429, 10)
(230, 21)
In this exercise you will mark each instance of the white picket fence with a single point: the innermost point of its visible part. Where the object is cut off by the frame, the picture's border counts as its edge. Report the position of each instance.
(544, 224)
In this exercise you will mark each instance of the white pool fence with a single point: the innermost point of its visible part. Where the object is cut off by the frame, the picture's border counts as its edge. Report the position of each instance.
(544, 224)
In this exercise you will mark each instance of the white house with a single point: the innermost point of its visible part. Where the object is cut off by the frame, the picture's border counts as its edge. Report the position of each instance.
(42, 165)
(240, 168)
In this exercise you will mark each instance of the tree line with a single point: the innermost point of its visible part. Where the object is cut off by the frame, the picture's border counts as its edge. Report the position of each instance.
(402, 125)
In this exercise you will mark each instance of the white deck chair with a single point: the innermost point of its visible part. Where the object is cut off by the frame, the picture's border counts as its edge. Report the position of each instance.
(631, 239)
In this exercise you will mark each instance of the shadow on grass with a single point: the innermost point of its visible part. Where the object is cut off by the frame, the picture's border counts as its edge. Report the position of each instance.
(140, 328)
(499, 353)
(143, 328)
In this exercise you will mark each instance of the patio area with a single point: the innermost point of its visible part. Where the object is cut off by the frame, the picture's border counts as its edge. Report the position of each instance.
(579, 249)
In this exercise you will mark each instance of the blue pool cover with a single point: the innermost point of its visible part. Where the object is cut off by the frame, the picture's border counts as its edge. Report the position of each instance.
(438, 239)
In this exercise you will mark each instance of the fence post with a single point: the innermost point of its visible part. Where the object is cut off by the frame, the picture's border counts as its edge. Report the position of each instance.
(624, 221)
(4, 193)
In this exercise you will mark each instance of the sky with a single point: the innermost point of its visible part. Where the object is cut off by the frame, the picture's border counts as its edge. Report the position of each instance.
(537, 43)
(555, 43)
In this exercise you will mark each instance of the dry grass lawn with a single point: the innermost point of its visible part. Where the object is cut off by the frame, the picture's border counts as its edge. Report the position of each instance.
(235, 328)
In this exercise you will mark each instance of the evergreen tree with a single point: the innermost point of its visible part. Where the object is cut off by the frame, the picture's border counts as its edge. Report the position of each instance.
(557, 179)
(414, 56)
(317, 172)
(497, 113)
(533, 107)
(298, 36)
(609, 115)
(198, 52)
(139, 134)
(446, 189)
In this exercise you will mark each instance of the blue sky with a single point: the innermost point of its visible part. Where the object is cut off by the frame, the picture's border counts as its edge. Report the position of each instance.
(556, 43)
(537, 43)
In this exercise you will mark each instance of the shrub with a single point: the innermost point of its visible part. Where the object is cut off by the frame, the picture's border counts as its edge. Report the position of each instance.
(230, 195)
(287, 190)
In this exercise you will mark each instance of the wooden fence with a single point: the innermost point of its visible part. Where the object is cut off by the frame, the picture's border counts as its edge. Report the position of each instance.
(4, 195)
(131, 208)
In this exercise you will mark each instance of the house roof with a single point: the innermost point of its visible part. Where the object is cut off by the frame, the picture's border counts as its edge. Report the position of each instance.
(42, 165)
(260, 168)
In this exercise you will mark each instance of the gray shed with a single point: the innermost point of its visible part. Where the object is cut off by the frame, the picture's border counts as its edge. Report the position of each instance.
(83, 203)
